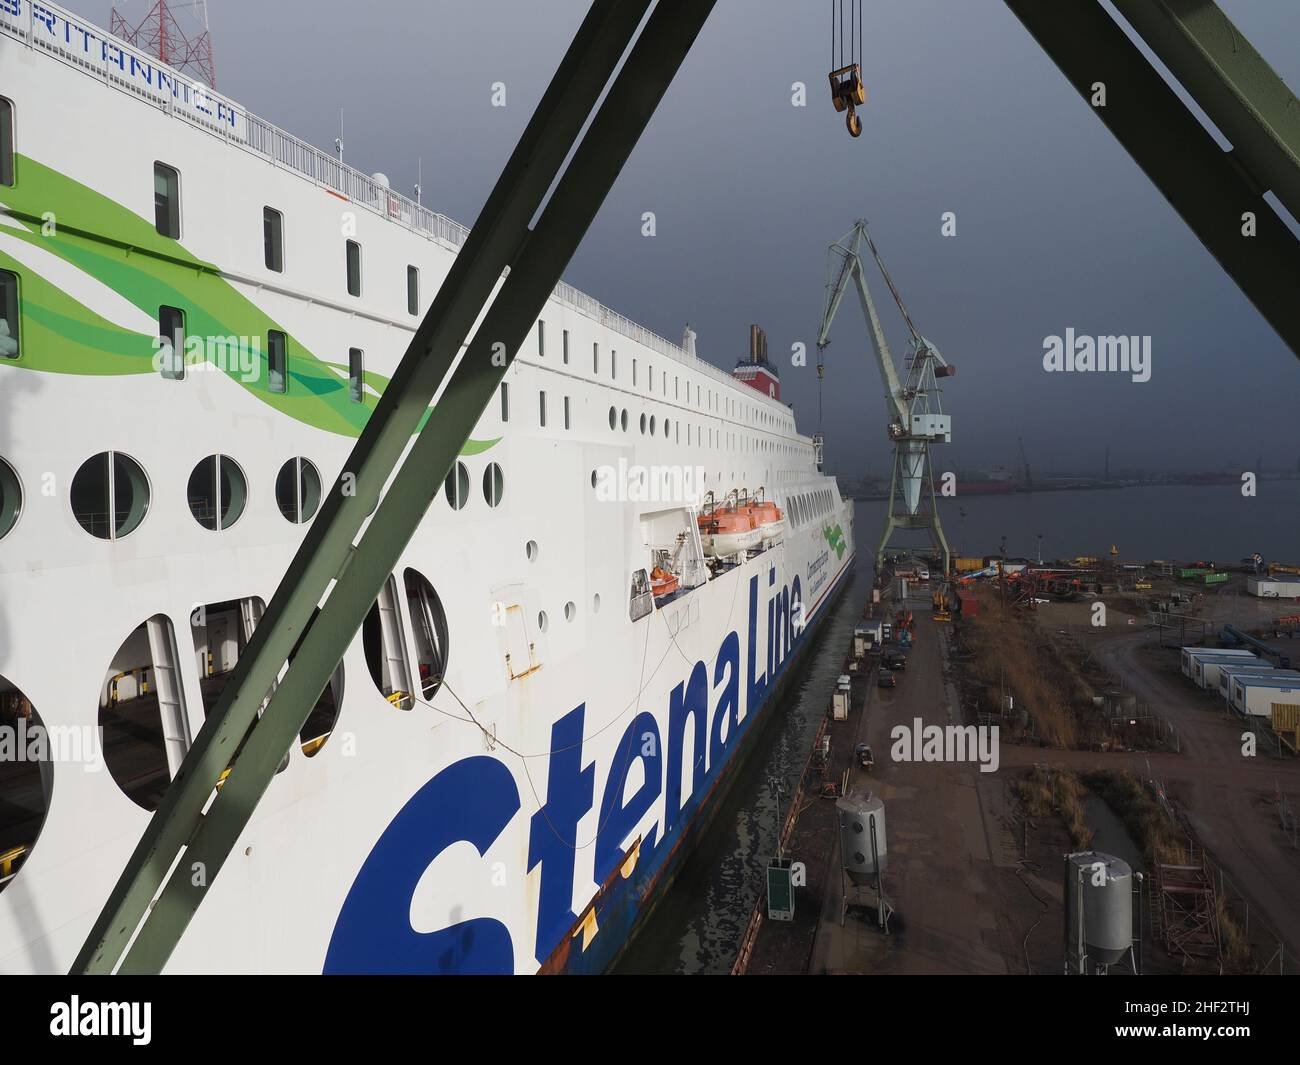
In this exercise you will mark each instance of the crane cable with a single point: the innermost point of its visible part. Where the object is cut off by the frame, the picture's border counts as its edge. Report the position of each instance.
(854, 36)
(916, 336)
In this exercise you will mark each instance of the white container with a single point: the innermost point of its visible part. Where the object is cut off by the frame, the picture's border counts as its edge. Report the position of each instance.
(1205, 669)
(1191, 653)
(1256, 695)
(1273, 587)
(1227, 672)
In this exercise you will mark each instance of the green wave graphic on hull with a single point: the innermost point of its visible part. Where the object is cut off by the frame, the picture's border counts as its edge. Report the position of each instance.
(835, 539)
(113, 247)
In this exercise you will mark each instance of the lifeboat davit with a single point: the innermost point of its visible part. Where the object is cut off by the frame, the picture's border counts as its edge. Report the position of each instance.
(662, 582)
(729, 531)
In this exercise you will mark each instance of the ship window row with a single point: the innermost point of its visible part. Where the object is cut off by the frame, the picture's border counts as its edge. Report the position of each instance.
(809, 506)
(110, 494)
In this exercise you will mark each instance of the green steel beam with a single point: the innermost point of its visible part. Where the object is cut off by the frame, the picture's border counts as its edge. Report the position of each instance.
(1242, 95)
(500, 239)
(1210, 188)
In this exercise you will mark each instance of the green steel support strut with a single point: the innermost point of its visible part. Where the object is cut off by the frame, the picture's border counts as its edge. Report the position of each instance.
(1215, 191)
(180, 829)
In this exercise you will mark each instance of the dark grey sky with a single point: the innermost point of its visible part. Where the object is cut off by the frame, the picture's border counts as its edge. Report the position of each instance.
(1056, 226)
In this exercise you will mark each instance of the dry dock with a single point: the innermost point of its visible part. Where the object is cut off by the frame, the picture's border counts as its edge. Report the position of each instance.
(965, 901)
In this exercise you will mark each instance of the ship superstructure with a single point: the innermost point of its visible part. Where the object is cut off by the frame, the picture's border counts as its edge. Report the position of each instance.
(197, 313)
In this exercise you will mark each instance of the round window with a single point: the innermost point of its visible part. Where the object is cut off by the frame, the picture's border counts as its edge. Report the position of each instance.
(11, 498)
(456, 486)
(298, 490)
(217, 492)
(110, 495)
(493, 484)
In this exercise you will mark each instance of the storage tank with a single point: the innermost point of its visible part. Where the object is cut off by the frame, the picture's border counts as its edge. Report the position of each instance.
(1103, 886)
(857, 812)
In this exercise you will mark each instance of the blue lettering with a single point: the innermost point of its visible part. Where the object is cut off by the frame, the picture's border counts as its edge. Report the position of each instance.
(472, 801)
(692, 702)
(553, 835)
(619, 817)
(727, 708)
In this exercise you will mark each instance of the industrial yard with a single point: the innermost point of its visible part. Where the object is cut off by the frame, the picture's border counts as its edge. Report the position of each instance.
(1105, 745)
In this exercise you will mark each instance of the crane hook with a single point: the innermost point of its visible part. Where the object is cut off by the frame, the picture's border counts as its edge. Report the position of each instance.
(853, 122)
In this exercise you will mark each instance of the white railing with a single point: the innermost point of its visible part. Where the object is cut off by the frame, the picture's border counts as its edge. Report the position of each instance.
(80, 43)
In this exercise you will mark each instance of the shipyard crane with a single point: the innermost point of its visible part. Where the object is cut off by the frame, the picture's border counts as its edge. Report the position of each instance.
(916, 418)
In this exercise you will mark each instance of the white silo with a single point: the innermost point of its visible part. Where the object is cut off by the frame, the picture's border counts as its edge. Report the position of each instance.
(1098, 911)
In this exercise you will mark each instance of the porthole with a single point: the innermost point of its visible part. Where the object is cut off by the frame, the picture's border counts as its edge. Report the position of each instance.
(652, 425)
(570, 610)
(11, 497)
(531, 550)
(385, 647)
(110, 495)
(595, 603)
(543, 622)
(593, 484)
(456, 486)
(624, 419)
(143, 726)
(297, 490)
(493, 484)
(26, 782)
(429, 632)
(643, 425)
(217, 492)
(613, 418)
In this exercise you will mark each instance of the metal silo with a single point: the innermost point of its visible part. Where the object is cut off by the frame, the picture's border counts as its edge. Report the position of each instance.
(1098, 910)
(858, 813)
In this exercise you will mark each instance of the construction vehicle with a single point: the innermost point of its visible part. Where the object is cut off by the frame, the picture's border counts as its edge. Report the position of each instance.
(940, 600)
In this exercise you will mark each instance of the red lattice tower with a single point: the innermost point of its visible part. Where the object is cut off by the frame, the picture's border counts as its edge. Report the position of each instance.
(177, 33)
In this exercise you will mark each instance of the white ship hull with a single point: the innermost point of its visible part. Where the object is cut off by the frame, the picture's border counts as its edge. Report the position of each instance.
(518, 818)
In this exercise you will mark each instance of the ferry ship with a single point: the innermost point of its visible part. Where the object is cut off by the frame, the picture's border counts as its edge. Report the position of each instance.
(607, 594)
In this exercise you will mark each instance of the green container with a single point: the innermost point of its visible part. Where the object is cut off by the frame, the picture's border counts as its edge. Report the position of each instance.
(1194, 572)
(1215, 578)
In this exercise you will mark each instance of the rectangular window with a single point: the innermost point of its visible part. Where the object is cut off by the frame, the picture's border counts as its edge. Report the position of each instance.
(356, 375)
(167, 200)
(171, 348)
(595, 358)
(277, 361)
(613, 365)
(505, 402)
(273, 239)
(541, 408)
(541, 337)
(8, 315)
(634, 373)
(566, 412)
(412, 290)
(6, 142)
(354, 268)
(565, 338)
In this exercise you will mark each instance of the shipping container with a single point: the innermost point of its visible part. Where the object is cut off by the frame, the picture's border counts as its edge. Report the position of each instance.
(1256, 695)
(967, 565)
(1214, 578)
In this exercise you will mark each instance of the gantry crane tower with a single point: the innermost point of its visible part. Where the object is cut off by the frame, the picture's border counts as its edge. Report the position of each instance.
(916, 418)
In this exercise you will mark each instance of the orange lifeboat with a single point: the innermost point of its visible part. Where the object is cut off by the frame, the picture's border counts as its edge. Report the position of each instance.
(729, 530)
(770, 520)
(663, 582)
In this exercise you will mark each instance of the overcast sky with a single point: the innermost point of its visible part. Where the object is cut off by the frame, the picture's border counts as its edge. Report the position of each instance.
(1056, 225)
